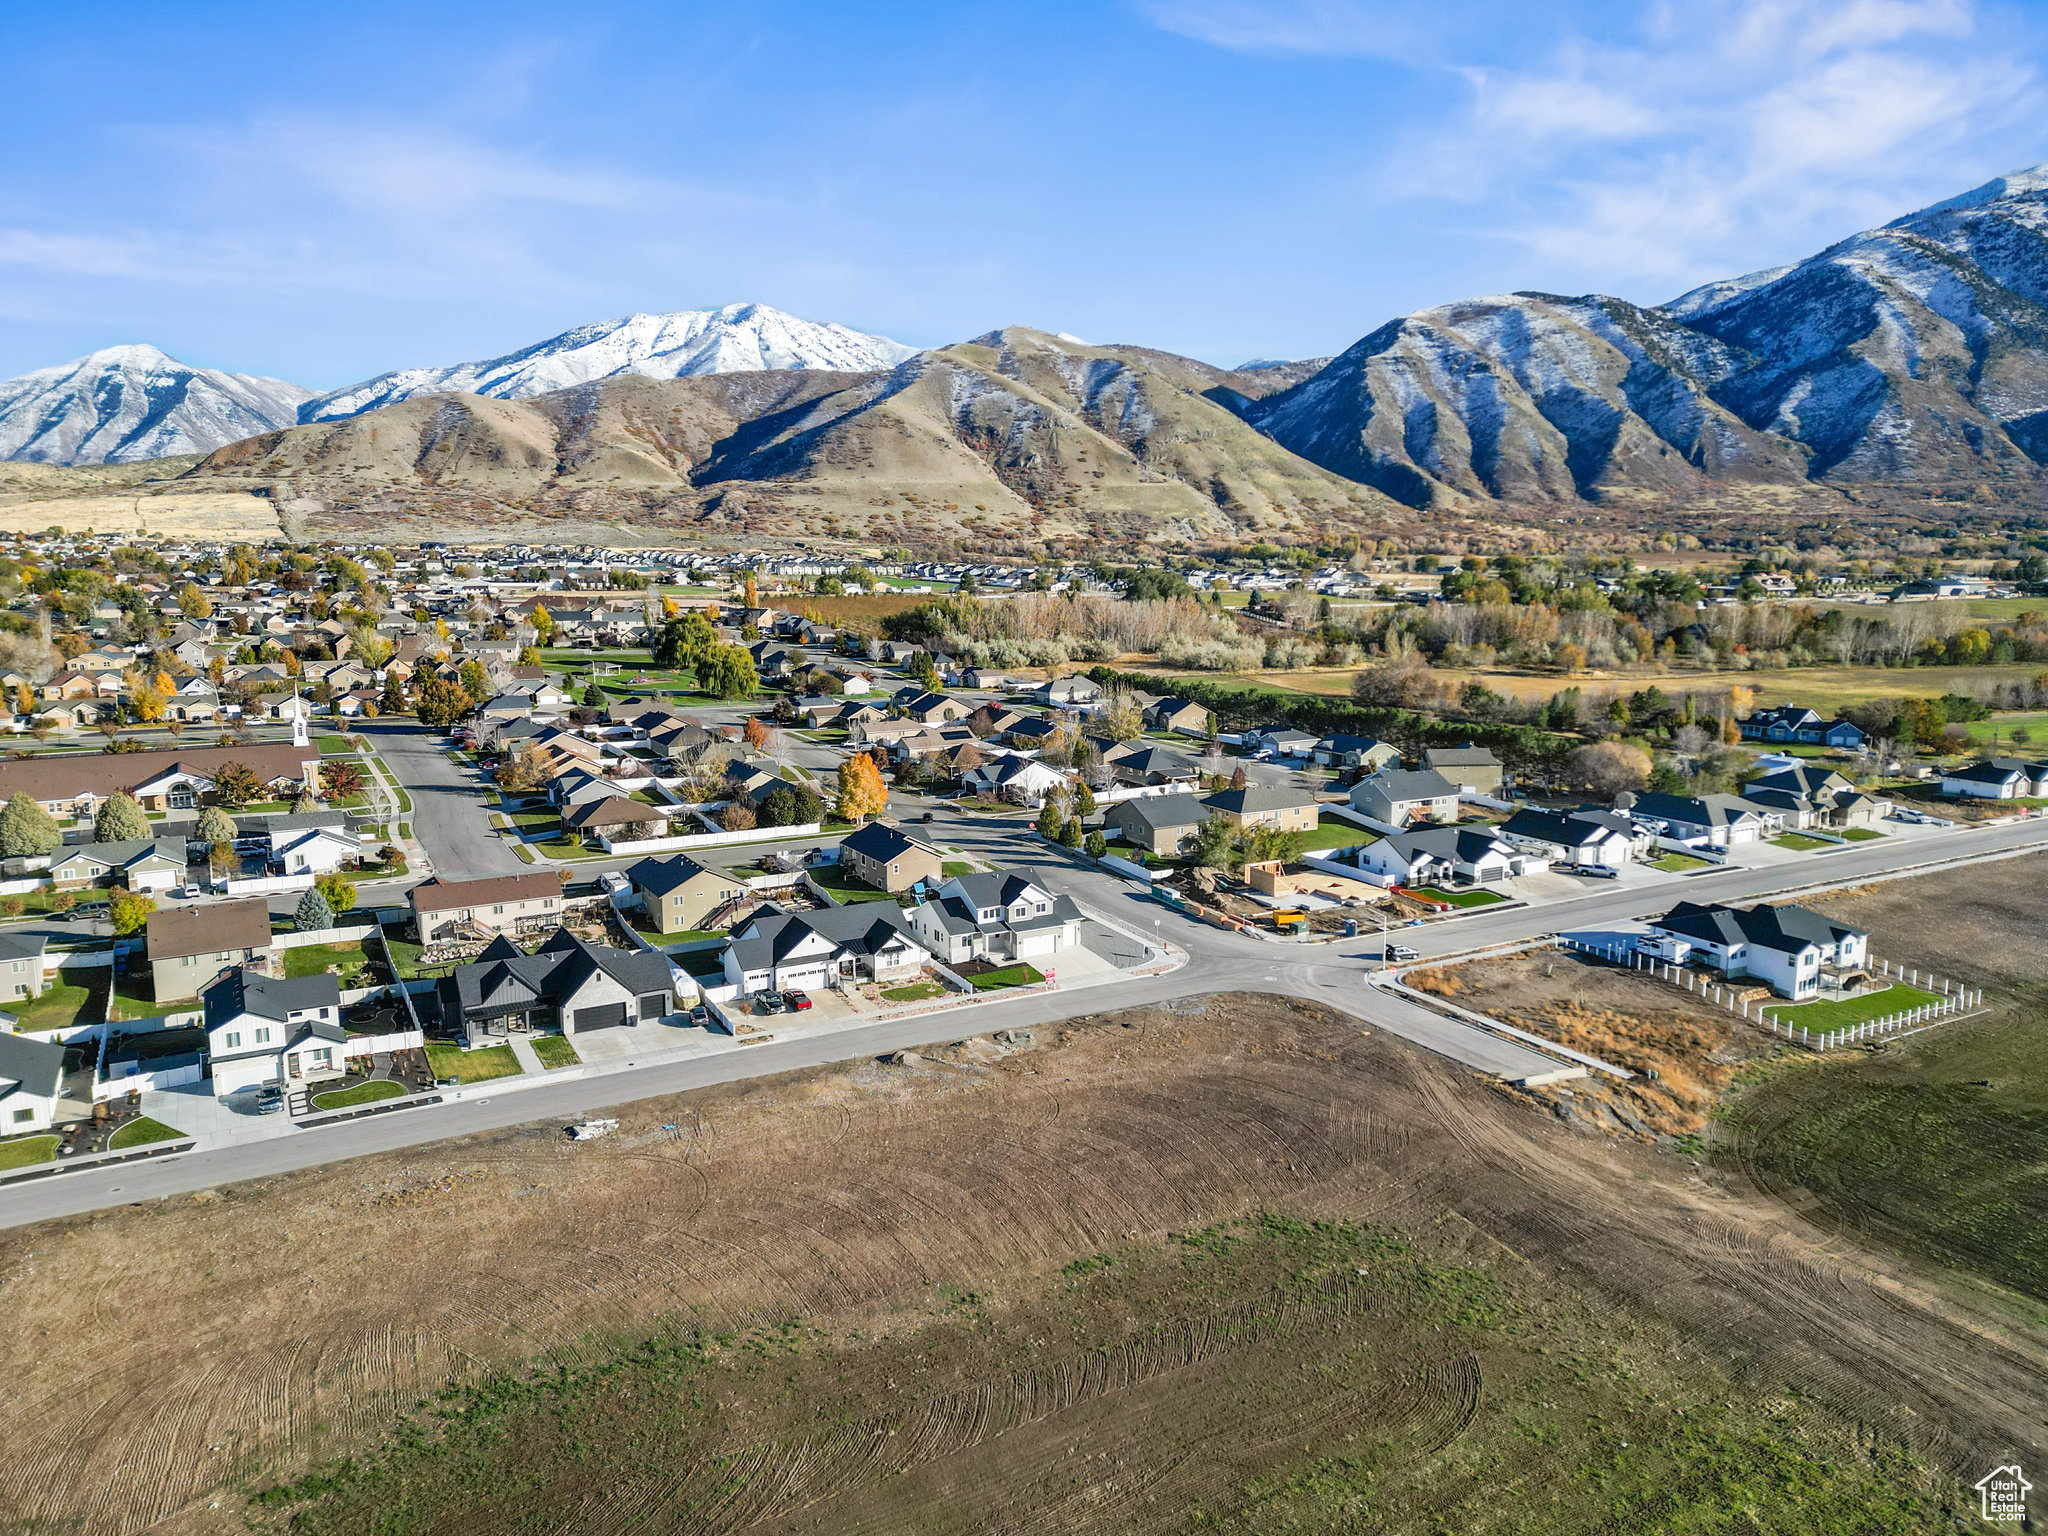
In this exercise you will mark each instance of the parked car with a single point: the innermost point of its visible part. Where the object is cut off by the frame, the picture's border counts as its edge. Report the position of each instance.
(771, 1002)
(89, 911)
(1396, 952)
(270, 1099)
(797, 1000)
(927, 816)
(188, 892)
(701, 1016)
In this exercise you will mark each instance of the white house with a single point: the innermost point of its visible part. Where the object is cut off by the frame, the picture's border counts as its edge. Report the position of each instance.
(269, 1029)
(1000, 916)
(1704, 821)
(31, 1083)
(1472, 856)
(1787, 948)
(774, 950)
(1579, 840)
(1996, 778)
(1397, 797)
(318, 851)
(1022, 780)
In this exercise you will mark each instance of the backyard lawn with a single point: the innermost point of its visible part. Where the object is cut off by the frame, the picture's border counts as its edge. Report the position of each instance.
(314, 959)
(845, 887)
(555, 1051)
(476, 1066)
(57, 1008)
(1896, 998)
(682, 936)
(362, 1093)
(1460, 898)
(28, 1151)
(405, 957)
(141, 1133)
(1334, 832)
(954, 867)
(1008, 976)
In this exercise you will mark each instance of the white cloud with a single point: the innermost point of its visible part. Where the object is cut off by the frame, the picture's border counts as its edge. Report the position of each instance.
(1730, 133)
(1333, 27)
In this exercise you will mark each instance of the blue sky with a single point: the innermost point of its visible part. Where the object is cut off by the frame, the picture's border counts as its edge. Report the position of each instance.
(322, 194)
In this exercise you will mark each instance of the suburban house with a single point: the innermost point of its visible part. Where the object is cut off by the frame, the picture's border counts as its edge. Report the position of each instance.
(1367, 752)
(1031, 731)
(1704, 821)
(1281, 741)
(31, 1083)
(1020, 780)
(1285, 810)
(1151, 765)
(929, 708)
(1474, 769)
(889, 859)
(1563, 838)
(1468, 855)
(1002, 916)
(569, 984)
(190, 946)
(774, 950)
(1074, 692)
(1397, 797)
(159, 781)
(617, 819)
(1808, 795)
(1996, 778)
(1183, 716)
(1796, 723)
(270, 1029)
(21, 965)
(315, 850)
(1787, 948)
(679, 893)
(1160, 824)
(145, 864)
(448, 909)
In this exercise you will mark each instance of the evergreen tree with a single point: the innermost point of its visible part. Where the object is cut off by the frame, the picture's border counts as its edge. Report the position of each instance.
(121, 820)
(313, 913)
(1095, 845)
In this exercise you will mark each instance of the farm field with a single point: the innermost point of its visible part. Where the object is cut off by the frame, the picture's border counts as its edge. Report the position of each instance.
(1828, 689)
(1236, 1263)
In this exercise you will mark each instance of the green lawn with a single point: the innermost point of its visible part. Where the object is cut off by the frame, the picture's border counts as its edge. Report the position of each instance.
(362, 1093)
(569, 848)
(1896, 998)
(405, 957)
(1861, 834)
(57, 1008)
(555, 1051)
(1461, 898)
(1008, 976)
(682, 936)
(845, 887)
(334, 746)
(314, 959)
(2000, 728)
(472, 1066)
(954, 867)
(1679, 863)
(1798, 842)
(1334, 832)
(141, 1133)
(916, 992)
(537, 821)
(28, 1151)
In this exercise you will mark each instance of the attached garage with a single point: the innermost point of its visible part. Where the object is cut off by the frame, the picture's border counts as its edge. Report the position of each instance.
(654, 1005)
(605, 1016)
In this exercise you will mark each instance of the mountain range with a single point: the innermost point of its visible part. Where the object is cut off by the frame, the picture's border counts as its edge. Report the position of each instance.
(1910, 359)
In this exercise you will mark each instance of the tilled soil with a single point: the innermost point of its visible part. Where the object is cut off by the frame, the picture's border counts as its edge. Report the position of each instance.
(159, 1355)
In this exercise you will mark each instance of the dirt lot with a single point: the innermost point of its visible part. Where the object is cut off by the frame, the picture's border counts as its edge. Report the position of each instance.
(1238, 1262)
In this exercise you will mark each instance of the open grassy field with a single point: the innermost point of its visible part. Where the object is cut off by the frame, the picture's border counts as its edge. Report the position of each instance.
(1935, 1142)
(1827, 689)
(2000, 728)
(1237, 1263)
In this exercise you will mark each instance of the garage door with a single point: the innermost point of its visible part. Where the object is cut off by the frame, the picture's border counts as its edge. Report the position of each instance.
(609, 1016)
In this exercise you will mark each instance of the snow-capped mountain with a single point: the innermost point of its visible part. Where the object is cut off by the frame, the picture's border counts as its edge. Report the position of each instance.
(124, 404)
(740, 338)
(1913, 353)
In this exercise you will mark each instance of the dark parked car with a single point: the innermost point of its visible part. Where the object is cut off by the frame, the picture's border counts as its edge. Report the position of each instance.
(700, 1016)
(772, 1002)
(797, 1000)
(270, 1099)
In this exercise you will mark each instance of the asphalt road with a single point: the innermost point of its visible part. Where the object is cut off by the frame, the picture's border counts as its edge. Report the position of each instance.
(1219, 962)
(449, 812)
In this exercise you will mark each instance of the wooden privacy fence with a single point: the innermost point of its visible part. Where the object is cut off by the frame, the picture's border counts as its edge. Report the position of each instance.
(1955, 998)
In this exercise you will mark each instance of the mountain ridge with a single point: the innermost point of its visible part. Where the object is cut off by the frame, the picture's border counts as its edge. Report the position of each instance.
(131, 403)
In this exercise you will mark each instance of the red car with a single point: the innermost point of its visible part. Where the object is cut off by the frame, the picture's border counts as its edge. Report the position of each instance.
(797, 1000)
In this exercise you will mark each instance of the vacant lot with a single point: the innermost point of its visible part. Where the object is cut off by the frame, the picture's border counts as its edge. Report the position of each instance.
(1238, 1262)
(1938, 1141)
(204, 514)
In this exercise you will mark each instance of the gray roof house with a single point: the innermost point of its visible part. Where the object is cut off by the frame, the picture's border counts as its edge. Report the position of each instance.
(569, 984)
(1156, 823)
(272, 1029)
(1396, 797)
(774, 950)
(31, 1082)
(1004, 916)
(1703, 821)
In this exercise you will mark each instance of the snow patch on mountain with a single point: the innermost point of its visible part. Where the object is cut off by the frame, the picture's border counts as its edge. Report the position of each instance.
(740, 338)
(124, 404)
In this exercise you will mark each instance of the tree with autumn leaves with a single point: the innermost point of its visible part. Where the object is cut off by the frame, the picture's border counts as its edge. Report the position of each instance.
(861, 791)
